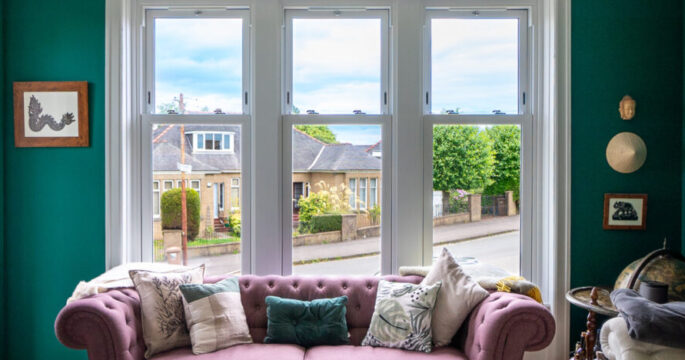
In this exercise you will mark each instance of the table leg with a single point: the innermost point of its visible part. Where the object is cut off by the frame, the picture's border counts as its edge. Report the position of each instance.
(591, 333)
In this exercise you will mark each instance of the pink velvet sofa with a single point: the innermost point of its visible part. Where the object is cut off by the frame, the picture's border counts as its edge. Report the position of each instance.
(503, 326)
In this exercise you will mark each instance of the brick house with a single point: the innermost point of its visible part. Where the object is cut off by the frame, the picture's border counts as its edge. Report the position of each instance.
(213, 151)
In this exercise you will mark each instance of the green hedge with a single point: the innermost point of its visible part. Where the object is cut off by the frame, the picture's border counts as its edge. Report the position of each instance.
(171, 211)
(323, 223)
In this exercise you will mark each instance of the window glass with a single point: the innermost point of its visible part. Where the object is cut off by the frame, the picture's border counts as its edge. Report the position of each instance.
(327, 159)
(372, 193)
(235, 193)
(476, 187)
(362, 193)
(336, 66)
(198, 65)
(475, 66)
(155, 198)
(209, 223)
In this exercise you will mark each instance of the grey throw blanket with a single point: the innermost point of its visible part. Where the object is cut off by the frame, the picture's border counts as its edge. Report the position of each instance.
(661, 324)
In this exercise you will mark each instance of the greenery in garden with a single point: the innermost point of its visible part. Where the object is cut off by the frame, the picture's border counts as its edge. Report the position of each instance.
(463, 158)
(171, 211)
(506, 176)
(234, 223)
(320, 132)
(323, 223)
(327, 200)
(375, 214)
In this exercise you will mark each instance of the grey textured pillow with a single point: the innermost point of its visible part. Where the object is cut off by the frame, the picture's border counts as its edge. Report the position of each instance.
(161, 307)
(457, 297)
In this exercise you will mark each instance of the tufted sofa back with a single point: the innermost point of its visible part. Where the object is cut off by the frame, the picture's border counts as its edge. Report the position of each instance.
(360, 291)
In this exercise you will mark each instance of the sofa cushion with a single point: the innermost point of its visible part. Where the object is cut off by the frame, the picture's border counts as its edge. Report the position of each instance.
(241, 352)
(306, 323)
(349, 352)
(214, 315)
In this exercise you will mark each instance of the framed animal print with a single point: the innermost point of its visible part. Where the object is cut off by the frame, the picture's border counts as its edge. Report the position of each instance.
(625, 211)
(51, 114)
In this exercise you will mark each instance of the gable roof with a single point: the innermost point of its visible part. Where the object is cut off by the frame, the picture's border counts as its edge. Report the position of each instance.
(309, 154)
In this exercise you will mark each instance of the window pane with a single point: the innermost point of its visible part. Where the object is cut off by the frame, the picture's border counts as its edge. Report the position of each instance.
(217, 141)
(476, 183)
(200, 141)
(474, 66)
(198, 65)
(336, 65)
(209, 224)
(155, 198)
(362, 193)
(227, 142)
(372, 193)
(330, 236)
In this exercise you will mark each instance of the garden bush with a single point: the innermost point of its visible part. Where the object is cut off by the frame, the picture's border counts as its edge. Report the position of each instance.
(234, 223)
(171, 211)
(323, 223)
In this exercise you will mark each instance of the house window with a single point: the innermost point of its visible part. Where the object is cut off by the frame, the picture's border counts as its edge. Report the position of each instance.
(235, 194)
(373, 192)
(480, 119)
(352, 187)
(362, 193)
(155, 199)
(213, 142)
(195, 185)
(196, 79)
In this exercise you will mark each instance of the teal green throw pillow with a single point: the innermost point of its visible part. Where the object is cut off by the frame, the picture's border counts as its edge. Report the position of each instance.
(306, 323)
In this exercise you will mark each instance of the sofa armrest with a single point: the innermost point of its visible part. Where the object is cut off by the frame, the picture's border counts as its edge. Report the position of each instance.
(505, 326)
(107, 325)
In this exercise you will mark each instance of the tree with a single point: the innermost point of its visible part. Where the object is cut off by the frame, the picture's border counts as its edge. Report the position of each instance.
(506, 143)
(320, 132)
(462, 159)
(171, 211)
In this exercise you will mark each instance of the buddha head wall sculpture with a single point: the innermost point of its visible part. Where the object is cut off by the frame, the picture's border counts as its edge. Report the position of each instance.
(627, 108)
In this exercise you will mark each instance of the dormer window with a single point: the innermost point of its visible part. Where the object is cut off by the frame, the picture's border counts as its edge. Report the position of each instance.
(213, 141)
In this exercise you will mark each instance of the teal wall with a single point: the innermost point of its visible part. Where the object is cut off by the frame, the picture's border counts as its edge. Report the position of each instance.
(3, 118)
(54, 197)
(623, 47)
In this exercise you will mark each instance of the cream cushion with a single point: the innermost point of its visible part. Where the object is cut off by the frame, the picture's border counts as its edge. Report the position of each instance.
(458, 295)
(618, 345)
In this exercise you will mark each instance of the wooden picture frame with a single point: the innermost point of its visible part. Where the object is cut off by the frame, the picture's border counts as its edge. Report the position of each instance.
(51, 114)
(625, 212)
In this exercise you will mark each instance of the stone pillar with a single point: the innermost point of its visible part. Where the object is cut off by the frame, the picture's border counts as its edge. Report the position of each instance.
(172, 238)
(474, 207)
(511, 205)
(349, 227)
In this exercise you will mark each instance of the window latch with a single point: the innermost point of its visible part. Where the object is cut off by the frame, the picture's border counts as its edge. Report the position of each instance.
(358, 112)
(312, 112)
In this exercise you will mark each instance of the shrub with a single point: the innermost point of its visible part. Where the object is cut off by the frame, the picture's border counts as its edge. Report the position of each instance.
(375, 214)
(234, 223)
(171, 211)
(323, 223)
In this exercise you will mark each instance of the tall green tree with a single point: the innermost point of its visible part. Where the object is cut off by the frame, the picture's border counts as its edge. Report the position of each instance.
(462, 159)
(321, 132)
(506, 143)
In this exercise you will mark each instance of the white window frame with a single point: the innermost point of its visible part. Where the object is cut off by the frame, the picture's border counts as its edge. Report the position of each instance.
(236, 187)
(524, 119)
(373, 200)
(164, 188)
(363, 198)
(198, 188)
(262, 133)
(336, 13)
(143, 249)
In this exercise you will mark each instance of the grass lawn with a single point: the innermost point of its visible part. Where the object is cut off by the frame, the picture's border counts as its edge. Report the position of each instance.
(159, 244)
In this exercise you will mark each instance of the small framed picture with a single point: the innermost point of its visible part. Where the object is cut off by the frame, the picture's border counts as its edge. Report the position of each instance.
(625, 211)
(51, 114)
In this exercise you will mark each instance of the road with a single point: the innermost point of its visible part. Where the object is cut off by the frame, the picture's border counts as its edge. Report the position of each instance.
(499, 250)
(484, 240)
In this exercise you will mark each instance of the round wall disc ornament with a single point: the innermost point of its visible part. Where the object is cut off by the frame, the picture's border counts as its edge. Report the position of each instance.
(626, 152)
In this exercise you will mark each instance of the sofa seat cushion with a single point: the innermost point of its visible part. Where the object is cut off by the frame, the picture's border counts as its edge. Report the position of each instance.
(350, 352)
(242, 352)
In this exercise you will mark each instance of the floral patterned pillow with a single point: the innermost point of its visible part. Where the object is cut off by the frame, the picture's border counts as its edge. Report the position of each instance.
(402, 316)
(161, 307)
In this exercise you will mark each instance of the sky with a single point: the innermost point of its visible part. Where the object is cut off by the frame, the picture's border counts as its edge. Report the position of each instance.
(337, 67)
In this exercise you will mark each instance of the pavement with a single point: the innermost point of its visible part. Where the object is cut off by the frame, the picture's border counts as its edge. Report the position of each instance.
(362, 255)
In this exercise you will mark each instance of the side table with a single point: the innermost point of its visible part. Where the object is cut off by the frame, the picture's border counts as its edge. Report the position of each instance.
(595, 300)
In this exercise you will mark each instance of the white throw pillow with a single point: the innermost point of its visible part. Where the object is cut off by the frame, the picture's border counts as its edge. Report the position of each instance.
(161, 307)
(458, 295)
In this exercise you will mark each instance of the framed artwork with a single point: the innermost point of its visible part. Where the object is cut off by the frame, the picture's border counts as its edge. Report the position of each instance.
(625, 211)
(51, 114)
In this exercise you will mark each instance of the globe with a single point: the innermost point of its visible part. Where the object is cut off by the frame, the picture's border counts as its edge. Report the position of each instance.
(660, 265)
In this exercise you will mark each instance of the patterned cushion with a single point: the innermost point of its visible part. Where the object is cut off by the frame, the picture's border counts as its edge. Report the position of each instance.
(215, 316)
(161, 307)
(402, 316)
